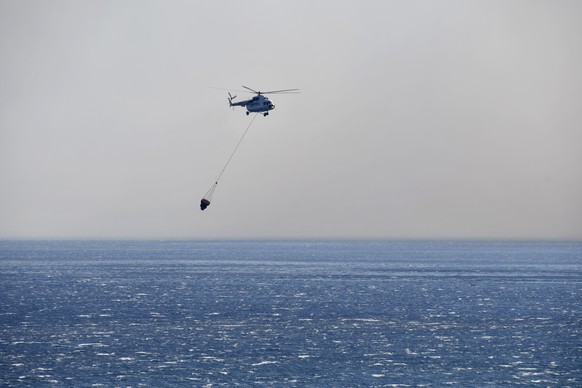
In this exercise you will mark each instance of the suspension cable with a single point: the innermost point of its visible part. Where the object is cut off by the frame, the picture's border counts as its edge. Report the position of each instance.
(210, 192)
(236, 148)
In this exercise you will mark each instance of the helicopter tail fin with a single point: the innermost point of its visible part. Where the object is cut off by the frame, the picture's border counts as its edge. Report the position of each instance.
(230, 98)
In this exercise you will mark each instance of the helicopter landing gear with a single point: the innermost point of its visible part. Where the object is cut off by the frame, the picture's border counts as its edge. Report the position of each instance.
(266, 114)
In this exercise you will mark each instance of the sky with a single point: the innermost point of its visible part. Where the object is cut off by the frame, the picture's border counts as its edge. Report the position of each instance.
(447, 119)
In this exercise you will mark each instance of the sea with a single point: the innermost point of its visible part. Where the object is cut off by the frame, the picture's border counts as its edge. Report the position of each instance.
(303, 313)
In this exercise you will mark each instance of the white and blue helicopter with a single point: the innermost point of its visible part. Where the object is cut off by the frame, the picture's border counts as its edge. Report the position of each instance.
(259, 103)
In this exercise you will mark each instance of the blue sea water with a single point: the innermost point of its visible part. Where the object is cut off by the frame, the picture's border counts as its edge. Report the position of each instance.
(290, 313)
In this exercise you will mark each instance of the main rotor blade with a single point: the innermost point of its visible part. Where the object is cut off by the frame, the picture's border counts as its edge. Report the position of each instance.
(254, 91)
(231, 90)
(282, 91)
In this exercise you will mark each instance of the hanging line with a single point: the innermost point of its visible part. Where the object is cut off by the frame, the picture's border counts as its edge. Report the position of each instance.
(236, 148)
(210, 192)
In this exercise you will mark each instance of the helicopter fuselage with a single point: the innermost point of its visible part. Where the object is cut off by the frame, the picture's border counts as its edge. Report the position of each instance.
(257, 104)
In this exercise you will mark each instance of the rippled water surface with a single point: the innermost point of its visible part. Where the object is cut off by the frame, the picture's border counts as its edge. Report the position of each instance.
(294, 313)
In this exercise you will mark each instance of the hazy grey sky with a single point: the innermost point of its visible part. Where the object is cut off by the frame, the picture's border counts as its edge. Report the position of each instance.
(417, 119)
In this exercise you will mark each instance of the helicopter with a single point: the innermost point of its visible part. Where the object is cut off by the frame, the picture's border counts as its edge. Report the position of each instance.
(259, 103)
